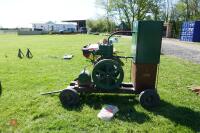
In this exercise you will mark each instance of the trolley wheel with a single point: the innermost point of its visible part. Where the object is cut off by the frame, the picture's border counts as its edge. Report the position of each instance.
(149, 98)
(69, 97)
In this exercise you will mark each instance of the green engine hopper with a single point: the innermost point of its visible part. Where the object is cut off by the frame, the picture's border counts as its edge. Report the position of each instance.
(146, 49)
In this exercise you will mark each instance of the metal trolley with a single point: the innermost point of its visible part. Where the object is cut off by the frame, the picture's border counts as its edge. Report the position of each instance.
(107, 74)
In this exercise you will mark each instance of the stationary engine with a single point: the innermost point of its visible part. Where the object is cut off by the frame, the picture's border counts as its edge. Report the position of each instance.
(107, 72)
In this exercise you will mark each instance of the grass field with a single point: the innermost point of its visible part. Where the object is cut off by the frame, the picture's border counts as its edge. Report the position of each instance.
(24, 79)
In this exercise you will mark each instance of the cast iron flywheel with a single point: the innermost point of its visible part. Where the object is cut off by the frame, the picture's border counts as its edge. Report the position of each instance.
(107, 74)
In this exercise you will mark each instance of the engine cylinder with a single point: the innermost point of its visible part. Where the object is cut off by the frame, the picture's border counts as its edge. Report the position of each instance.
(84, 78)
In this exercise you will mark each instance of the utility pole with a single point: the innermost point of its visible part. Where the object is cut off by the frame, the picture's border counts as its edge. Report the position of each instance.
(187, 12)
(167, 10)
(107, 16)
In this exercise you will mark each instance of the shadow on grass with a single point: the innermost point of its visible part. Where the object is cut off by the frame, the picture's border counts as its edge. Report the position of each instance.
(125, 103)
(180, 115)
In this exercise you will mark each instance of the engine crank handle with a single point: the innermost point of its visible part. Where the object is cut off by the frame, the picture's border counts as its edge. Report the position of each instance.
(51, 92)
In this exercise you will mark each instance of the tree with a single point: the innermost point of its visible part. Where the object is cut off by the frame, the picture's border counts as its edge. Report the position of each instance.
(100, 25)
(130, 10)
(187, 10)
(126, 11)
(104, 4)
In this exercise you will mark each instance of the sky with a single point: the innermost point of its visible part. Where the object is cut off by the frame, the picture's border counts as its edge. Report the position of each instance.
(22, 13)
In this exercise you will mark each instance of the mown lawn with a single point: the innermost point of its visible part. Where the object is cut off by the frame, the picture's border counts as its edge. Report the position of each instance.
(24, 79)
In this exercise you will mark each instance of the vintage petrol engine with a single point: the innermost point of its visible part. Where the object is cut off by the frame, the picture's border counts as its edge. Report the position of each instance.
(107, 72)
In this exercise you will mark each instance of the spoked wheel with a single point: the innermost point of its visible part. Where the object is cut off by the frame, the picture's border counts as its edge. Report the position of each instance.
(69, 97)
(149, 98)
(107, 74)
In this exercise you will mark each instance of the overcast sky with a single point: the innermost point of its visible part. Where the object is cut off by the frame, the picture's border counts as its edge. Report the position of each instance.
(21, 13)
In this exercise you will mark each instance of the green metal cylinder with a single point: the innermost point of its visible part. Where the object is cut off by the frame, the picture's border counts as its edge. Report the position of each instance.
(84, 78)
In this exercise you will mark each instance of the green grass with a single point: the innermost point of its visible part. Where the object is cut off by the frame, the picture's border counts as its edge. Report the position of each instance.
(24, 79)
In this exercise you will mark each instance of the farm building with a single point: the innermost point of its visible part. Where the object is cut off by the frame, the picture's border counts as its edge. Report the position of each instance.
(55, 27)
(80, 23)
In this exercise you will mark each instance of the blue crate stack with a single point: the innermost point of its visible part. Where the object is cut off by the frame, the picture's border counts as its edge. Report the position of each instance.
(190, 31)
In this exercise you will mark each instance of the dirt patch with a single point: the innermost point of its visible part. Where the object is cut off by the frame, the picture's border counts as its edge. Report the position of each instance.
(185, 50)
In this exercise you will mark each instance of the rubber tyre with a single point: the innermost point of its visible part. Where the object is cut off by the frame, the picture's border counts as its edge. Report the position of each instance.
(149, 98)
(69, 98)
